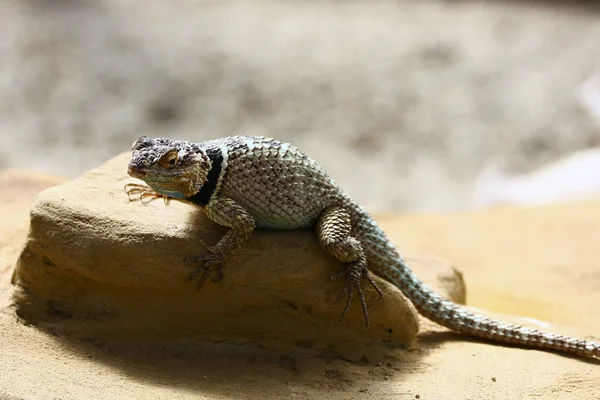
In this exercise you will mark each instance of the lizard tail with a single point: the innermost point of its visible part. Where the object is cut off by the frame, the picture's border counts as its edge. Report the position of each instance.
(459, 319)
(385, 261)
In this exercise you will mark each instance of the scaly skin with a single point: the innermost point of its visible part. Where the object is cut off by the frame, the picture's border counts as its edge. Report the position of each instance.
(248, 182)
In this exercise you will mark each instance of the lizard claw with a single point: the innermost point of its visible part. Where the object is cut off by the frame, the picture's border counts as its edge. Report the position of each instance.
(354, 272)
(212, 262)
(139, 192)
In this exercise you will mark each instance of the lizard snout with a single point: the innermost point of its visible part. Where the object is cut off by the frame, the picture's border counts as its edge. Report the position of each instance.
(135, 172)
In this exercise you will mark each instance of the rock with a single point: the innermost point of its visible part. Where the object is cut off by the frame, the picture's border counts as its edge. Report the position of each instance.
(99, 267)
(15, 186)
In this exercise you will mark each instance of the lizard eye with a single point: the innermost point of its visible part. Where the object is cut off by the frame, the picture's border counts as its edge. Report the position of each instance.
(168, 160)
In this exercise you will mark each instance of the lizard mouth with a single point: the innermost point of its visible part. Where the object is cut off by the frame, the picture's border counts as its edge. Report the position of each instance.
(136, 173)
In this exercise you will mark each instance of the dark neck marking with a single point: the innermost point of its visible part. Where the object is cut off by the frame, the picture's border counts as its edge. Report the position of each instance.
(202, 197)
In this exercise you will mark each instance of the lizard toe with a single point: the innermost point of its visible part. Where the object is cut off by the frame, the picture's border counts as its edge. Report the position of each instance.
(211, 265)
(352, 284)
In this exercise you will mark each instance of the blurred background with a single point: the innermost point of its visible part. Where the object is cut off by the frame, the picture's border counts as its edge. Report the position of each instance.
(414, 105)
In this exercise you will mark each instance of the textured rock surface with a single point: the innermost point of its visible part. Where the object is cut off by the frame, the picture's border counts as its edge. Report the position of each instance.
(537, 262)
(17, 188)
(119, 266)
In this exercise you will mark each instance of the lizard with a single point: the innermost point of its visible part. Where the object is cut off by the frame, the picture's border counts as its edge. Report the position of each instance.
(249, 182)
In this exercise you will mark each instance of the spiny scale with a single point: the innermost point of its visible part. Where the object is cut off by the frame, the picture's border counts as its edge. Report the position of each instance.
(245, 182)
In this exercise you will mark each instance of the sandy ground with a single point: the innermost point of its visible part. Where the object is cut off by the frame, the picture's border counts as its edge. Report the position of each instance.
(520, 261)
(418, 94)
(403, 103)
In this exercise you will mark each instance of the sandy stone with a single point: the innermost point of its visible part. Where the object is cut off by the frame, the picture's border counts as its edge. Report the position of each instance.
(119, 266)
(17, 188)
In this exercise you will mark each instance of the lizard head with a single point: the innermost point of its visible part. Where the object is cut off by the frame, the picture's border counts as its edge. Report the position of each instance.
(172, 168)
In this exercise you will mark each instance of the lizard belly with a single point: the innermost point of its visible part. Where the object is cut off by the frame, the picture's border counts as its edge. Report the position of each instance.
(272, 215)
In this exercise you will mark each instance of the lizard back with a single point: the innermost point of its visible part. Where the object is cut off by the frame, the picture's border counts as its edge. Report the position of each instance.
(281, 187)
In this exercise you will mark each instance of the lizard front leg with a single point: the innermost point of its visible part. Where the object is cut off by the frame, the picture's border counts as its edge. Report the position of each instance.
(138, 192)
(225, 212)
(334, 230)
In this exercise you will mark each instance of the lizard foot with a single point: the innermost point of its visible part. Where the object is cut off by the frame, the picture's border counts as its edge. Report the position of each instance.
(212, 263)
(138, 192)
(354, 272)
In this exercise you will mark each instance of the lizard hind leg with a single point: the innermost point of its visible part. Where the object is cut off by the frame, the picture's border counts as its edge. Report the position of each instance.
(334, 230)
